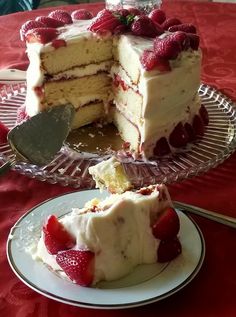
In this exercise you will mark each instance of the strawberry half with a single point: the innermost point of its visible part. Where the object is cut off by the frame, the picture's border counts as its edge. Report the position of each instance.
(56, 238)
(184, 27)
(167, 225)
(50, 22)
(78, 265)
(62, 16)
(157, 16)
(162, 147)
(30, 25)
(178, 137)
(105, 20)
(170, 22)
(41, 35)
(168, 250)
(167, 48)
(3, 133)
(81, 14)
(144, 26)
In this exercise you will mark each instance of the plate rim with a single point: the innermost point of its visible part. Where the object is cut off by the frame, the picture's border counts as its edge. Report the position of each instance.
(77, 303)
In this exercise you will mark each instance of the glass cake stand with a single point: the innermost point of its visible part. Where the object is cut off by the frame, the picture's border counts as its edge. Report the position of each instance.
(70, 165)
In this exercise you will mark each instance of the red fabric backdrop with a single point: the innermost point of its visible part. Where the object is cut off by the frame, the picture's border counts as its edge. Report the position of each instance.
(212, 292)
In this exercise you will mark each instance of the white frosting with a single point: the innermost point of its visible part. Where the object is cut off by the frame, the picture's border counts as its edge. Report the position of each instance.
(119, 234)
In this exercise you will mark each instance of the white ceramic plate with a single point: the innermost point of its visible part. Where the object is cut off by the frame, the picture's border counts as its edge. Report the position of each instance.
(147, 284)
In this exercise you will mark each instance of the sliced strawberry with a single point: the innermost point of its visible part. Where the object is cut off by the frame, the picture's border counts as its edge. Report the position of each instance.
(50, 22)
(3, 133)
(162, 147)
(168, 250)
(178, 136)
(30, 25)
(148, 60)
(81, 14)
(194, 41)
(56, 238)
(184, 27)
(41, 35)
(198, 125)
(166, 48)
(189, 129)
(170, 22)
(134, 11)
(105, 20)
(157, 16)
(143, 26)
(61, 15)
(167, 225)
(204, 115)
(57, 43)
(78, 265)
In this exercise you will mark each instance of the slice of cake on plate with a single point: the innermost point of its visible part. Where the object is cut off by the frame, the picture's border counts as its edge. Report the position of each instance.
(137, 71)
(105, 240)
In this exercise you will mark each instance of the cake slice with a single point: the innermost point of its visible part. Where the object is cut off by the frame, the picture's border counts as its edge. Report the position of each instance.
(106, 240)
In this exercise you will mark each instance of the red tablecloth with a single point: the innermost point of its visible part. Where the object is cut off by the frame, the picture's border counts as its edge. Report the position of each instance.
(212, 292)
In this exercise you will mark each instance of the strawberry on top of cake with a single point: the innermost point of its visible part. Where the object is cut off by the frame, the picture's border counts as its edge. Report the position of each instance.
(141, 72)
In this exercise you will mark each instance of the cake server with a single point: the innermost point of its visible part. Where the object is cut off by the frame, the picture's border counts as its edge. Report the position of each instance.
(225, 220)
(12, 76)
(38, 139)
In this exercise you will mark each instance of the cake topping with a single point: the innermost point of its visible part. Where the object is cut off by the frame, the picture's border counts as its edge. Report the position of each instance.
(56, 238)
(78, 265)
(29, 25)
(50, 22)
(41, 35)
(168, 250)
(81, 14)
(194, 41)
(167, 48)
(185, 27)
(157, 16)
(167, 225)
(149, 61)
(62, 16)
(105, 20)
(170, 22)
(144, 26)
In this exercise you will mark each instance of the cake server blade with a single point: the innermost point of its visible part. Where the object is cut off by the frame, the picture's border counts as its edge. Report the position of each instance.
(38, 139)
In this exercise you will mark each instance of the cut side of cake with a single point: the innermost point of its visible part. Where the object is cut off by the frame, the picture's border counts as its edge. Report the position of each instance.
(107, 239)
(122, 67)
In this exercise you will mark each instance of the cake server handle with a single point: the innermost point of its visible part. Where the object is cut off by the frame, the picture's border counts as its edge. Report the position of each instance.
(225, 220)
(12, 76)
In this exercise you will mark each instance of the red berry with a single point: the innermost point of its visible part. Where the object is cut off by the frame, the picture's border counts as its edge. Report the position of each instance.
(81, 14)
(143, 26)
(168, 250)
(204, 115)
(189, 129)
(198, 125)
(167, 48)
(78, 265)
(50, 22)
(170, 22)
(178, 136)
(123, 12)
(157, 16)
(148, 60)
(162, 147)
(120, 29)
(182, 39)
(105, 21)
(29, 25)
(56, 238)
(57, 43)
(134, 11)
(185, 27)
(61, 15)
(167, 225)
(3, 133)
(194, 41)
(41, 35)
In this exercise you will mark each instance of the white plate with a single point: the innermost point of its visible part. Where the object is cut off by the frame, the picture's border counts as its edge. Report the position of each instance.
(147, 284)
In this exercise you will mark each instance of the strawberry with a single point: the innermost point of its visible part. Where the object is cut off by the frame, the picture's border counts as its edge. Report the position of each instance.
(189, 129)
(56, 238)
(143, 26)
(3, 133)
(41, 35)
(157, 16)
(81, 14)
(29, 25)
(194, 41)
(148, 60)
(178, 136)
(61, 15)
(170, 22)
(204, 115)
(49, 22)
(120, 29)
(185, 27)
(166, 48)
(123, 12)
(181, 38)
(78, 265)
(105, 20)
(162, 147)
(167, 225)
(168, 250)
(57, 43)
(134, 11)
(21, 114)
(198, 125)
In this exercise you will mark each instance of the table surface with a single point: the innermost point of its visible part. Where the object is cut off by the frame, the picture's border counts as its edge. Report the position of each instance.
(212, 292)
